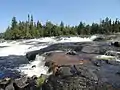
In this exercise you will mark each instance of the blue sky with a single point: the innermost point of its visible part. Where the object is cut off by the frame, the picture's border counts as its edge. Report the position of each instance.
(71, 12)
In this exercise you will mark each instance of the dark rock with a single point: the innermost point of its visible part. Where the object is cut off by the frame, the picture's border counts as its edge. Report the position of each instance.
(21, 83)
(5, 82)
(34, 77)
(61, 46)
(10, 87)
(113, 53)
(71, 53)
(116, 44)
(118, 73)
(97, 63)
(75, 70)
(82, 74)
(65, 71)
(68, 83)
(34, 66)
(25, 83)
(99, 38)
(91, 49)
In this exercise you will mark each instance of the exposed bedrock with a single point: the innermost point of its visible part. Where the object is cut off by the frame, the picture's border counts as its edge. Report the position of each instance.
(76, 72)
(80, 47)
(81, 66)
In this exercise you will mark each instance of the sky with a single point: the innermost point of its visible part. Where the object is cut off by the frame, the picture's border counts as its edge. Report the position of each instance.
(71, 12)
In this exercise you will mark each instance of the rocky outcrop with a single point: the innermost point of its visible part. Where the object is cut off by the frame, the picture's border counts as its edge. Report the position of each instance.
(60, 46)
(79, 66)
(23, 83)
(116, 44)
(82, 66)
(74, 72)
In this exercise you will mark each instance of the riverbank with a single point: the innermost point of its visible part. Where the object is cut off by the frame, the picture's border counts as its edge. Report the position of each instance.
(91, 64)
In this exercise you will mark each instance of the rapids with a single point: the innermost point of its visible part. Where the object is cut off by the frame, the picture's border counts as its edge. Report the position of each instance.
(21, 47)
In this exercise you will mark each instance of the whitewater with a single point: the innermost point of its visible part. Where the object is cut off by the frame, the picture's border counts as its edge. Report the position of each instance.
(21, 47)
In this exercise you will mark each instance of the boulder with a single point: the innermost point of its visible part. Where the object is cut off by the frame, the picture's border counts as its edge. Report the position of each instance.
(71, 52)
(116, 44)
(61, 46)
(21, 83)
(75, 72)
(5, 82)
(91, 49)
(99, 38)
(10, 87)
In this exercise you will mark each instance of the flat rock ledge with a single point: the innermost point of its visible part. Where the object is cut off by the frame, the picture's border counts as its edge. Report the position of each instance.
(80, 68)
(77, 72)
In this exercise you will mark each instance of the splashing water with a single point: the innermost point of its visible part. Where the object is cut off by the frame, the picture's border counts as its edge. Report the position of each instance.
(105, 57)
(23, 46)
(38, 68)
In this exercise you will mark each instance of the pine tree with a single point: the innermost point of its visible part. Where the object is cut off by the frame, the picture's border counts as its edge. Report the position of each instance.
(30, 29)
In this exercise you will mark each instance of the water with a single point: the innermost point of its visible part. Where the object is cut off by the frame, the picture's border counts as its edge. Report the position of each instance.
(12, 54)
(37, 70)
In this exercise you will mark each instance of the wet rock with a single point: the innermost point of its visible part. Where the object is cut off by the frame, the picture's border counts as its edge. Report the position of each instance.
(68, 83)
(77, 70)
(4, 82)
(118, 73)
(21, 83)
(10, 87)
(71, 53)
(97, 63)
(34, 66)
(100, 38)
(34, 77)
(61, 46)
(116, 44)
(65, 71)
(82, 73)
(113, 53)
(91, 49)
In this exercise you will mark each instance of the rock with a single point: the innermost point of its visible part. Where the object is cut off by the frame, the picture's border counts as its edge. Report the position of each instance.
(10, 87)
(34, 77)
(71, 53)
(68, 83)
(82, 73)
(34, 66)
(65, 71)
(61, 46)
(86, 68)
(91, 49)
(113, 53)
(116, 44)
(25, 83)
(99, 38)
(21, 83)
(118, 73)
(4, 82)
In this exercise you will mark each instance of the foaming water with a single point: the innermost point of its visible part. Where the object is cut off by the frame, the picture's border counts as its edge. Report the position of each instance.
(106, 57)
(24, 46)
(21, 47)
(34, 68)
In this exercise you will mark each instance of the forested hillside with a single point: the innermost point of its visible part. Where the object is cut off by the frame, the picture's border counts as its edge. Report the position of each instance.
(31, 29)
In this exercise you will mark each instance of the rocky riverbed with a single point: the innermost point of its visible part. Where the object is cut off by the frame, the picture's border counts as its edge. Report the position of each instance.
(90, 65)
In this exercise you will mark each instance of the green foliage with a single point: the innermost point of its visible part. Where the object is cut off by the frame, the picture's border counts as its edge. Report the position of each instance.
(30, 29)
(40, 81)
(1, 35)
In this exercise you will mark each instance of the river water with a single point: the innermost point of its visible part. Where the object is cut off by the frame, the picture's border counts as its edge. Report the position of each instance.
(13, 62)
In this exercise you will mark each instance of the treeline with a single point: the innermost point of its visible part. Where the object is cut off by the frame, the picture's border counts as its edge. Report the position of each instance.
(30, 29)
(1, 35)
